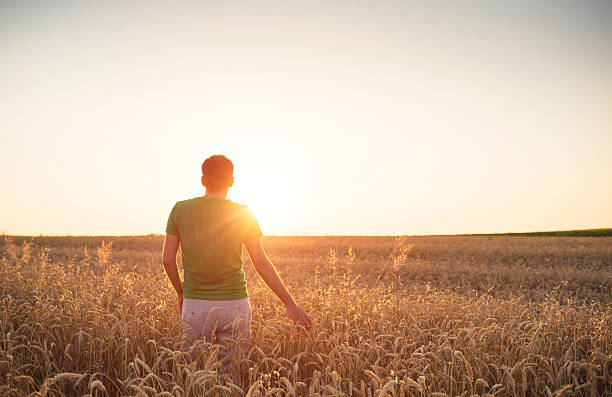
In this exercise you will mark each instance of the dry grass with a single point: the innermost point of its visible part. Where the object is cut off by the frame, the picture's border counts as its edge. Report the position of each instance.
(422, 316)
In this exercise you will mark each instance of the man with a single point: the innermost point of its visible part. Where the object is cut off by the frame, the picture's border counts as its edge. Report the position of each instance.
(213, 299)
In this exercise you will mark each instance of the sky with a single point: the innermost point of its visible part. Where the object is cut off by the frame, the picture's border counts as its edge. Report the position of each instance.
(343, 117)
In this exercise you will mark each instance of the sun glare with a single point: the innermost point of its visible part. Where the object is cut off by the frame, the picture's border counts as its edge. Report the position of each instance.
(272, 207)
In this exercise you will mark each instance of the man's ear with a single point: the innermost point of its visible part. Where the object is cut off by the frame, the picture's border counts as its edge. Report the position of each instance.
(231, 182)
(203, 182)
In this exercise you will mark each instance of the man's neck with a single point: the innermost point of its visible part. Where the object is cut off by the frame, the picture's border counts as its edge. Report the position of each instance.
(221, 194)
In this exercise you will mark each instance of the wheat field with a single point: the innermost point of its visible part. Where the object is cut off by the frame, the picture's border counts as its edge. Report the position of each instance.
(411, 316)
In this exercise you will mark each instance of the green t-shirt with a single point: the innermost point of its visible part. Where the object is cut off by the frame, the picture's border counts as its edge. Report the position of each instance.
(212, 231)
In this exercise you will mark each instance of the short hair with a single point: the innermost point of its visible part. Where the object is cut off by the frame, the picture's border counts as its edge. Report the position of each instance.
(217, 171)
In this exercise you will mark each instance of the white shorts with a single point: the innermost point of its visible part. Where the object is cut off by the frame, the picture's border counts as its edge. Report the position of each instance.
(215, 321)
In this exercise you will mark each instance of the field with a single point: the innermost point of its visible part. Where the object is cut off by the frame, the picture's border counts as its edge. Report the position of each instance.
(416, 316)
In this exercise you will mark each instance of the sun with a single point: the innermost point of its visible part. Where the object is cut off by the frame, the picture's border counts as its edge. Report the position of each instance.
(271, 207)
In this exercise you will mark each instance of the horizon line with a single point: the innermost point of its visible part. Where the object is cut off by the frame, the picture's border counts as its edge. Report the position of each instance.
(545, 232)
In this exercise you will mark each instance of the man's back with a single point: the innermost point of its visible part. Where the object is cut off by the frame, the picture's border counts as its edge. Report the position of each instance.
(212, 231)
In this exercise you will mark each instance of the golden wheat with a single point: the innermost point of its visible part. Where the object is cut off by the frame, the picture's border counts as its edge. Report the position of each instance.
(428, 316)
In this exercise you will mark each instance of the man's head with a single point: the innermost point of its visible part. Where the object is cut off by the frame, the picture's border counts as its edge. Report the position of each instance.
(217, 173)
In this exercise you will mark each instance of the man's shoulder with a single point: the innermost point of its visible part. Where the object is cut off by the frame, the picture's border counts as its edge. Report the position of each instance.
(185, 203)
(235, 204)
(237, 208)
(182, 203)
(241, 209)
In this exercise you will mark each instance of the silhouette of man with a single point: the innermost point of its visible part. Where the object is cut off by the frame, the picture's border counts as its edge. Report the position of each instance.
(213, 299)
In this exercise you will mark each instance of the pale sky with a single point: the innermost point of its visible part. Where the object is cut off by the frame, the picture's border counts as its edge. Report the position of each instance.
(381, 117)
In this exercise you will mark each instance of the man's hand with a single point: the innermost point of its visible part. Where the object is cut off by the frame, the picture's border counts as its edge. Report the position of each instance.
(299, 316)
(268, 273)
(180, 303)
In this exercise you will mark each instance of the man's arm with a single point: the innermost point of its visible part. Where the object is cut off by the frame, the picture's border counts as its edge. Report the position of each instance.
(268, 273)
(171, 244)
